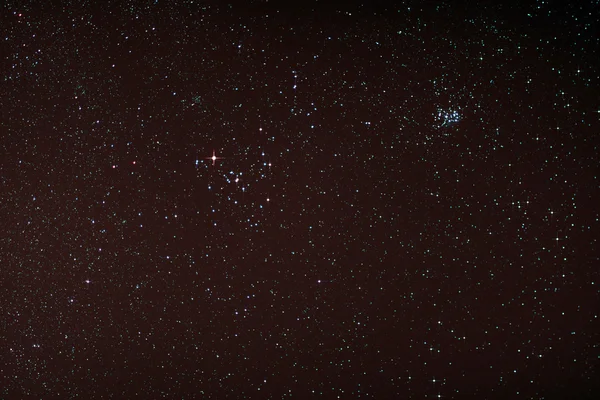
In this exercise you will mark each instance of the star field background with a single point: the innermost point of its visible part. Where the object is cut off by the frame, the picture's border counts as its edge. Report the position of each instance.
(404, 204)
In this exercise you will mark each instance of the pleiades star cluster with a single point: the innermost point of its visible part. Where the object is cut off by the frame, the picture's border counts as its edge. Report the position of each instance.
(250, 200)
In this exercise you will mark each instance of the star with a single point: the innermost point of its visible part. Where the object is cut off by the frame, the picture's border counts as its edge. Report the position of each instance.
(214, 158)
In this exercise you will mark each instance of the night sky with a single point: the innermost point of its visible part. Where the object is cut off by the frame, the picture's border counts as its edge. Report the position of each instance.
(260, 201)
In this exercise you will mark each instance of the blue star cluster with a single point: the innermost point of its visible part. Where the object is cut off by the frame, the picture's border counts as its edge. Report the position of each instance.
(216, 200)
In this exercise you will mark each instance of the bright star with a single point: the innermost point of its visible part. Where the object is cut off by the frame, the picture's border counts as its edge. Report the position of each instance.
(214, 158)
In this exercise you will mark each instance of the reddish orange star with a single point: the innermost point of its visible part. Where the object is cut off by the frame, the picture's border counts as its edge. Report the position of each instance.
(214, 158)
